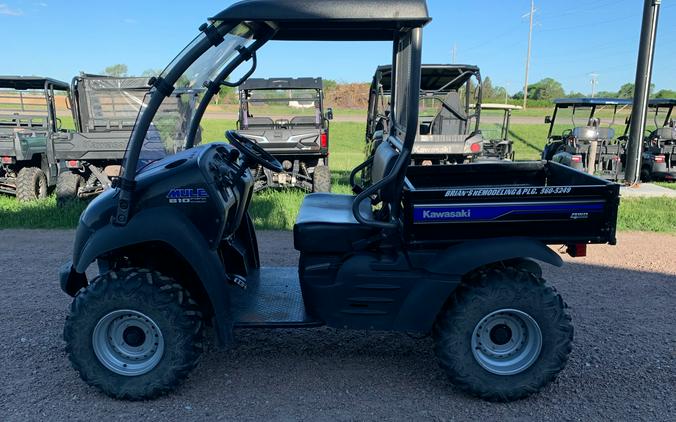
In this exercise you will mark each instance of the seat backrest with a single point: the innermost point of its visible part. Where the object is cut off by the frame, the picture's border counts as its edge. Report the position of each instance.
(383, 161)
(448, 122)
(593, 133)
(304, 121)
(666, 133)
(260, 121)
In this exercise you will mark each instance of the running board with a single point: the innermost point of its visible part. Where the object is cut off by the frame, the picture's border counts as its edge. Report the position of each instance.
(272, 299)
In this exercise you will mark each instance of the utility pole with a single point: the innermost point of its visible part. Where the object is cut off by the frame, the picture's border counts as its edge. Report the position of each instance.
(594, 82)
(453, 52)
(530, 39)
(644, 70)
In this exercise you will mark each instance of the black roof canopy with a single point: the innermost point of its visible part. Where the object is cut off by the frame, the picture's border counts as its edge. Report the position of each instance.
(331, 20)
(31, 82)
(434, 77)
(281, 83)
(566, 102)
(662, 102)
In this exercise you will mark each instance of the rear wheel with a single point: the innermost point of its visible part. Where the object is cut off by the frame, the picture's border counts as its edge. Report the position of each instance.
(134, 334)
(645, 175)
(67, 187)
(504, 335)
(321, 179)
(31, 184)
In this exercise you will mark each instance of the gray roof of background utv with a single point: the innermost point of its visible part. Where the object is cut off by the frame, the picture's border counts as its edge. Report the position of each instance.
(281, 83)
(331, 20)
(31, 82)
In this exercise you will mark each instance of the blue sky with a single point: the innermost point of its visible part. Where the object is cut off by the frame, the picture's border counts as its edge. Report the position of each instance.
(571, 40)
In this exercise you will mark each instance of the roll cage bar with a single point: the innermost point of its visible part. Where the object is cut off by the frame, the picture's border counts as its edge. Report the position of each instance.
(347, 20)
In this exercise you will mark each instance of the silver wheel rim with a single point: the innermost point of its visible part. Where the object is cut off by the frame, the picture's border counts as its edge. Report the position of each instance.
(128, 342)
(506, 342)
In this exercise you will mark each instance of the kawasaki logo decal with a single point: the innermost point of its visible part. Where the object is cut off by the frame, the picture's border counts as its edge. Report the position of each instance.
(506, 211)
(187, 196)
(445, 215)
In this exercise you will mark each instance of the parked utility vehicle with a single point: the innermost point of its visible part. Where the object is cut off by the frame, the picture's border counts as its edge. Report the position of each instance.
(495, 131)
(449, 250)
(659, 150)
(298, 137)
(104, 110)
(28, 125)
(577, 137)
(448, 124)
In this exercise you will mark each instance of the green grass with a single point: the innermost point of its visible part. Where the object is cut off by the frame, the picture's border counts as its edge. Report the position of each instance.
(42, 214)
(529, 140)
(277, 209)
(670, 185)
(648, 214)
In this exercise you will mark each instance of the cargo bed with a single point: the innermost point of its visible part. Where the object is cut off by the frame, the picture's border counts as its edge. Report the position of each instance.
(536, 199)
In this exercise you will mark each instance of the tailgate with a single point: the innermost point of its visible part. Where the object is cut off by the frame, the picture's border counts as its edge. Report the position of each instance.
(446, 145)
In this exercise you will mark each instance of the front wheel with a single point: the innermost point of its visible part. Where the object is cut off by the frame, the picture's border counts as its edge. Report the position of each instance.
(134, 334)
(504, 335)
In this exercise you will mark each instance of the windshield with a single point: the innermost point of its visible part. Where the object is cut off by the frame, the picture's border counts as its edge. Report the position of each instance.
(168, 131)
(492, 123)
(297, 106)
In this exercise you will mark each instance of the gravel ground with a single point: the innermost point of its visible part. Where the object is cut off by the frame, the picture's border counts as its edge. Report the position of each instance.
(622, 366)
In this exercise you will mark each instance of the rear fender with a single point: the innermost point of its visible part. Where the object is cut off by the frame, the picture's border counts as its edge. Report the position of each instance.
(463, 258)
(169, 226)
(450, 266)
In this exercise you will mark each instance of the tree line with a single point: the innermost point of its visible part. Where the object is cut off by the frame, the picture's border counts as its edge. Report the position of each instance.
(546, 89)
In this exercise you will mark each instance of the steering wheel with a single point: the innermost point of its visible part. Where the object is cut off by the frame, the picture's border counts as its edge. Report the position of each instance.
(253, 151)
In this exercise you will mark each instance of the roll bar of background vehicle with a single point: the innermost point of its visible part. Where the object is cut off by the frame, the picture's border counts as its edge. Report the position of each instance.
(162, 88)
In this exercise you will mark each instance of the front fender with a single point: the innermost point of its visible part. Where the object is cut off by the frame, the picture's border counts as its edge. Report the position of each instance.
(167, 225)
(466, 257)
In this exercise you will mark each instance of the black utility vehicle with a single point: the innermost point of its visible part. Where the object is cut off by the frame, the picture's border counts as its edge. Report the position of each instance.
(446, 250)
(286, 117)
(495, 131)
(659, 150)
(449, 126)
(104, 110)
(578, 139)
(28, 125)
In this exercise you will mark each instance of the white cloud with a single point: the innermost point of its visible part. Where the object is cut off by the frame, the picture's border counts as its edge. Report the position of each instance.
(8, 11)
(129, 21)
(42, 4)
